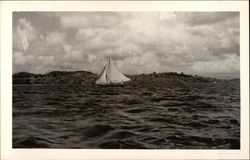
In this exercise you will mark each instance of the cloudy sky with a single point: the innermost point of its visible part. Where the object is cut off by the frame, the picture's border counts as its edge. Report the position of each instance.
(202, 43)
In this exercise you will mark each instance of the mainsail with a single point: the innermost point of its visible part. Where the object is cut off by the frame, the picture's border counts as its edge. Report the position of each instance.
(110, 75)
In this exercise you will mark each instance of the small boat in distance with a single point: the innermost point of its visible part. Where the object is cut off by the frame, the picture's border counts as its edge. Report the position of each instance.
(110, 76)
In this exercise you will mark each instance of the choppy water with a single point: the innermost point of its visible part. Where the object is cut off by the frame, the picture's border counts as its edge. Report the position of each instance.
(76, 116)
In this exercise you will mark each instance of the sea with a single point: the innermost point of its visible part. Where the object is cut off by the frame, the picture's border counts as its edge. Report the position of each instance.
(200, 116)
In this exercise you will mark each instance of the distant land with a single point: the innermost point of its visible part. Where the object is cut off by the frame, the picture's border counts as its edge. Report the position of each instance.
(88, 78)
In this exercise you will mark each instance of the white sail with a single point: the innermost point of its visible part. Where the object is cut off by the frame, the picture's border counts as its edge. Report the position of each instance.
(111, 75)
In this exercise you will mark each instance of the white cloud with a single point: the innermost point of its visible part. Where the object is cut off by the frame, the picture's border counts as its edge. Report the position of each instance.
(91, 58)
(73, 21)
(167, 16)
(19, 58)
(23, 34)
(204, 18)
(94, 19)
(230, 64)
(67, 48)
(55, 38)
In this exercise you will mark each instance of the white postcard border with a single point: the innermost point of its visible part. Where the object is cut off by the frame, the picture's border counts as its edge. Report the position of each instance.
(7, 7)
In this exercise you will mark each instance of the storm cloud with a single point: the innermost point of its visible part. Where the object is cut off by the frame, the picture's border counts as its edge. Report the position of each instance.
(202, 43)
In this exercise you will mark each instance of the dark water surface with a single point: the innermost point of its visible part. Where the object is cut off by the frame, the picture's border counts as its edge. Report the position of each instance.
(205, 116)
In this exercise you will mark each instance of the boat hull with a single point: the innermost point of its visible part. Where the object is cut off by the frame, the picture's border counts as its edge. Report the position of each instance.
(110, 85)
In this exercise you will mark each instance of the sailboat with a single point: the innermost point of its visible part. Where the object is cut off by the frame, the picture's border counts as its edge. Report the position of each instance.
(110, 75)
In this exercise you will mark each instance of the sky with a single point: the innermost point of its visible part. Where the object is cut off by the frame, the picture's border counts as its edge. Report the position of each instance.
(196, 43)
